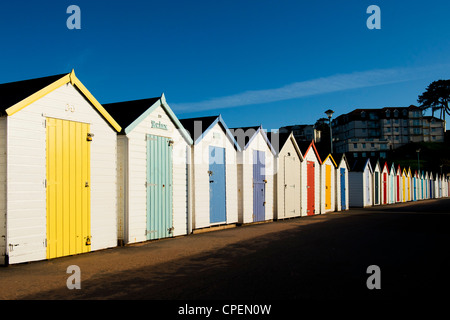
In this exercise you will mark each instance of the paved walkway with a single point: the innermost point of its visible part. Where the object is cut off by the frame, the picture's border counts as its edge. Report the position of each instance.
(324, 256)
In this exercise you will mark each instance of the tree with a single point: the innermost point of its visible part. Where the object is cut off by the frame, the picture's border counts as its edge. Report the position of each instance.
(436, 97)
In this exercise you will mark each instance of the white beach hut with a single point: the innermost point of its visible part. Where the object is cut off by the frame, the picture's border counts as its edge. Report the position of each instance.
(310, 179)
(342, 189)
(153, 153)
(214, 184)
(287, 174)
(256, 168)
(361, 184)
(376, 181)
(328, 184)
(58, 170)
(385, 183)
(392, 184)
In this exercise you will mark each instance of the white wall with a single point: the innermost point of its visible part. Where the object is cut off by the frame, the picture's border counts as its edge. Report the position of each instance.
(137, 176)
(26, 158)
(201, 207)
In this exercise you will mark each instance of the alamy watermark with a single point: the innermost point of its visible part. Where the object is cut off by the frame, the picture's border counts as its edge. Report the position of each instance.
(374, 21)
(74, 281)
(74, 21)
(374, 280)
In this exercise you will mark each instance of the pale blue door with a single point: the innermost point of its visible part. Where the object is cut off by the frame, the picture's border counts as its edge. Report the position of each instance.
(259, 186)
(217, 186)
(343, 188)
(159, 188)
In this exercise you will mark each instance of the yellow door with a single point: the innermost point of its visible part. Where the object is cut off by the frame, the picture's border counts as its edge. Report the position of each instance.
(404, 189)
(327, 187)
(68, 188)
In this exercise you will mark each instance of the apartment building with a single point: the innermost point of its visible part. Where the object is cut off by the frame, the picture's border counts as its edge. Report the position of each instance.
(372, 132)
(304, 132)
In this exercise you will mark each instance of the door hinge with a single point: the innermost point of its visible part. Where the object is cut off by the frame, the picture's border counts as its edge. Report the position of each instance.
(45, 183)
(45, 243)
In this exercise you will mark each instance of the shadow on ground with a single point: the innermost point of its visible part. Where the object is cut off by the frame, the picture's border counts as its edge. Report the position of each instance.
(326, 260)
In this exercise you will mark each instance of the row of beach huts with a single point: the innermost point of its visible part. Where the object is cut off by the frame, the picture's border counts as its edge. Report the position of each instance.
(79, 176)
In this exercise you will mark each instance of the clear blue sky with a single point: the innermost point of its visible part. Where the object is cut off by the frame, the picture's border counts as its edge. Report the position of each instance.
(255, 62)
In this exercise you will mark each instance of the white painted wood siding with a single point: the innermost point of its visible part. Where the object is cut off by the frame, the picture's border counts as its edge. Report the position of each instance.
(26, 172)
(137, 176)
(215, 137)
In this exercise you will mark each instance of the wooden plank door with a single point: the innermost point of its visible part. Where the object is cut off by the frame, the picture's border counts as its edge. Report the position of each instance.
(159, 188)
(68, 188)
(291, 196)
(327, 187)
(385, 188)
(217, 186)
(310, 186)
(377, 187)
(343, 190)
(259, 186)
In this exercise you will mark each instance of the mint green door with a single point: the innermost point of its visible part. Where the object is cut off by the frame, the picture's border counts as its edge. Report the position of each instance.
(159, 188)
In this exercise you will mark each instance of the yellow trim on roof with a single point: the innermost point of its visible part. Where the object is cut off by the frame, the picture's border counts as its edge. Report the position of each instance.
(37, 95)
(331, 157)
(74, 80)
(57, 84)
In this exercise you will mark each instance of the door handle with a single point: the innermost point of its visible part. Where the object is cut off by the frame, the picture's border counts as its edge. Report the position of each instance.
(86, 185)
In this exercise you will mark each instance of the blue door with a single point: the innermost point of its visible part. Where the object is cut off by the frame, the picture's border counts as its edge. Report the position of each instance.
(259, 186)
(159, 188)
(415, 189)
(217, 185)
(343, 188)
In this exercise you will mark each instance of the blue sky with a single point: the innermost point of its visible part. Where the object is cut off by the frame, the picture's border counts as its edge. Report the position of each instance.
(263, 62)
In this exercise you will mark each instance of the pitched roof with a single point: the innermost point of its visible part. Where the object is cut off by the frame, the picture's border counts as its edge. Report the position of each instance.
(197, 126)
(15, 96)
(244, 135)
(127, 112)
(305, 146)
(360, 164)
(13, 92)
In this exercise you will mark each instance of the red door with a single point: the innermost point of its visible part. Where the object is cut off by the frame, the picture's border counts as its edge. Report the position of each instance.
(398, 188)
(310, 188)
(384, 188)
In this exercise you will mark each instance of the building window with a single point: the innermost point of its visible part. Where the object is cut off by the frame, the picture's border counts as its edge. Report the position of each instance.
(372, 145)
(383, 155)
(363, 154)
(388, 113)
(395, 113)
(355, 145)
(364, 145)
(363, 114)
(372, 154)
